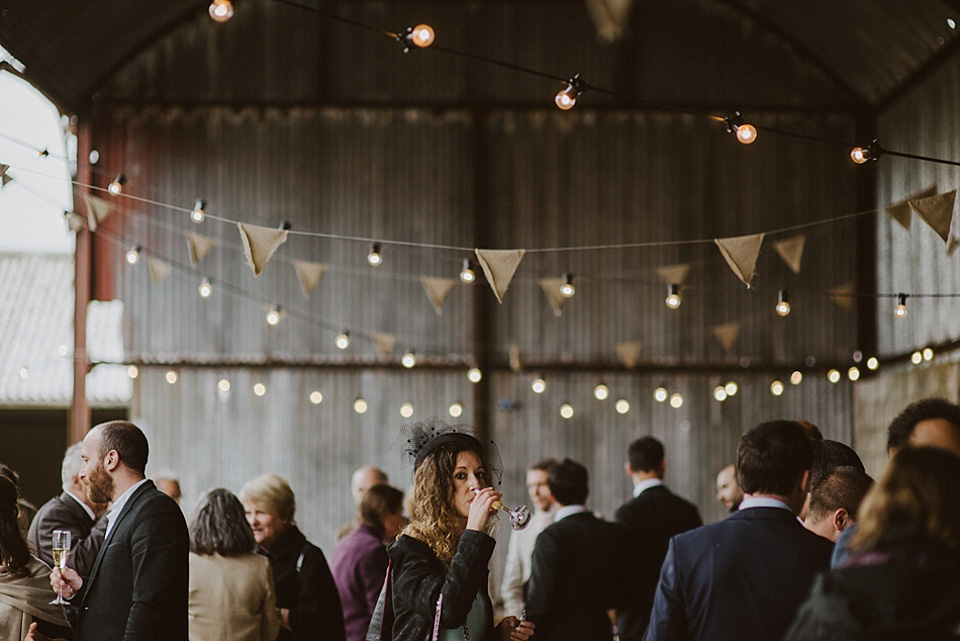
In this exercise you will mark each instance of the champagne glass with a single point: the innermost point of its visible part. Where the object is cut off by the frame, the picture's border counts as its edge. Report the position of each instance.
(61, 550)
(519, 516)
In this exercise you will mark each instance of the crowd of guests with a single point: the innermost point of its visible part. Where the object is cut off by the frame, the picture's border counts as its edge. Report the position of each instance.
(812, 548)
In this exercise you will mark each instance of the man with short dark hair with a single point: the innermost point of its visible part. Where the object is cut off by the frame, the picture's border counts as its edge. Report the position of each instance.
(827, 456)
(742, 579)
(834, 501)
(728, 490)
(138, 586)
(653, 516)
(581, 565)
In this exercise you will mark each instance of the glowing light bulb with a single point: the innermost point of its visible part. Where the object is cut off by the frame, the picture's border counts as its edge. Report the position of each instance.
(566, 98)
(833, 376)
(796, 377)
(406, 410)
(732, 388)
(456, 409)
(197, 214)
(259, 389)
(873, 363)
(853, 373)
(673, 298)
(62, 350)
(133, 255)
(343, 340)
(206, 288)
(676, 400)
(783, 305)
(171, 376)
(316, 397)
(273, 316)
(223, 385)
(539, 385)
(467, 275)
(720, 393)
(927, 354)
(374, 257)
(622, 406)
(601, 392)
(422, 36)
(567, 290)
(951, 23)
(117, 185)
(359, 406)
(408, 360)
(660, 394)
(901, 309)
(859, 155)
(916, 358)
(566, 411)
(133, 371)
(24, 373)
(474, 375)
(776, 388)
(221, 10)
(747, 134)
(41, 153)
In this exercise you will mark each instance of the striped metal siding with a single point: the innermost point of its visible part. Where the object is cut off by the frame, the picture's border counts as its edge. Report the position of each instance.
(927, 122)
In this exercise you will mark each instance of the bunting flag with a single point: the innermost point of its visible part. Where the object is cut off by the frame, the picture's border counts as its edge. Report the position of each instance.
(97, 210)
(842, 296)
(5, 180)
(515, 365)
(384, 344)
(791, 251)
(158, 269)
(629, 352)
(499, 266)
(674, 274)
(74, 220)
(741, 254)
(937, 212)
(3, 169)
(309, 275)
(901, 211)
(726, 334)
(259, 244)
(437, 290)
(551, 287)
(198, 246)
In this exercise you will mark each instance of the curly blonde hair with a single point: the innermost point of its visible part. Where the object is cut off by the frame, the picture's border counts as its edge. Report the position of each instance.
(434, 517)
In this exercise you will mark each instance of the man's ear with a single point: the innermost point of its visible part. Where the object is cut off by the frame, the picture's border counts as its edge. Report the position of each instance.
(628, 469)
(663, 468)
(805, 481)
(841, 519)
(111, 460)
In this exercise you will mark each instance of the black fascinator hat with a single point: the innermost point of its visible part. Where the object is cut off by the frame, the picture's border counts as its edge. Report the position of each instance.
(417, 440)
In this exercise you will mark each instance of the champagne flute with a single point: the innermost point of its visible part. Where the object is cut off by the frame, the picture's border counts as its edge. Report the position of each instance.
(61, 550)
(519, 516)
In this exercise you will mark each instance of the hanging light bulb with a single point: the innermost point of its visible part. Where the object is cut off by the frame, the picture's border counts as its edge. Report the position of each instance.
(928, 353)
(783, 305)
(861, 155)
(566, 411)
(374, 257)
(776, 388)
(720, 393)
(566, 98)
(467, 275)
(221, 10)
(24, 373)
(601, 392)
(223, 385)
(474, 375)
(316, 397)
(853, 373)
(343, 340)
(796, 377)
(408, 360)
(171, 376)
(732, 388)
(916, 358)
(660, 394)
(273, 316)
(406, 410)
(567, 290)
(833, 376)
(259, 389)
(673, 298)
(676, 401)
(117, 185)
(539, 385)
(873, 363)
(622, 406)
(206, 288)
(422, 35)
(359, 406)
(197, 214)
(456, 409)
(41, 153)
(901, 309)
(133, 255)
(745, 132)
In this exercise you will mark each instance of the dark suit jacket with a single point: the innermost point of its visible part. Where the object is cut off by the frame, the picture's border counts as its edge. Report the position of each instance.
(653, 518)
(63, 512)
(741, 579)
(137, 589)
(580, 569)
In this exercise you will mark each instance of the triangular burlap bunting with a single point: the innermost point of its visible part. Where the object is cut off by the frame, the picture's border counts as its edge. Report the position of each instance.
(791, 251)
(198, 246)
(384, 344)
(901, 211)
(259, 244)
(842, 296)
(5, 180)
(74, 221)
(97, 210)
(937, 212)
(726, 334)
(309, 275)
(629, 352)
(437, 290)
(3, 169)
(674, 274)
(515, 364)
(741, 254)
(551, 287)
(158, 269)
(499, 266)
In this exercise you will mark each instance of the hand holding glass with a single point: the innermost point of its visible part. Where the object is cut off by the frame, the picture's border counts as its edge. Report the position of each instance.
(61, 550)
(519, 516)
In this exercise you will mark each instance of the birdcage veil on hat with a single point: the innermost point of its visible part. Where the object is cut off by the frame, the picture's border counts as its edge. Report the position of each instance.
(417, 440)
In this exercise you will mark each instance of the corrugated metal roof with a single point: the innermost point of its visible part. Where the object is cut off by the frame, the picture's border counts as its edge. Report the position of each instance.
(36, 336)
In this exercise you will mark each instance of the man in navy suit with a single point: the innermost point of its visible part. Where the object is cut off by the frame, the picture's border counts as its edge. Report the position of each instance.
(742, 579)
(137, 588)
(581, 565)
(653, 516)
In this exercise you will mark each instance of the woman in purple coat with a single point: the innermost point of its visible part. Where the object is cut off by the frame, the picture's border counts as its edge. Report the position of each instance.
(359, 561)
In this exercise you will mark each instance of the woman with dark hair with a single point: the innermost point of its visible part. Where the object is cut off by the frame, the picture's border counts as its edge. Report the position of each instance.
(25, 591)
(902, 580)
(439, 572)
(359, 560)
(231, 588)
